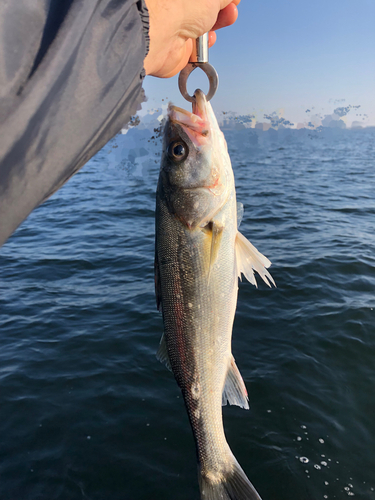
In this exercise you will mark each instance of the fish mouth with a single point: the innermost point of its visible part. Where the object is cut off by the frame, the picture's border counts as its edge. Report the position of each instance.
(196, 123)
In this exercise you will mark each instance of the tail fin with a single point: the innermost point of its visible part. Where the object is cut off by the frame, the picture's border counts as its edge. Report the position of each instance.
(230, 485)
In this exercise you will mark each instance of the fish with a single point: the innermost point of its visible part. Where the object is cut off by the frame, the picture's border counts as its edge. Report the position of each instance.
(199, 255)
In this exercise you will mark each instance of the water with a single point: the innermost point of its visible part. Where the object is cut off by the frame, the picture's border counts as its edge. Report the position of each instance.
(86, 410)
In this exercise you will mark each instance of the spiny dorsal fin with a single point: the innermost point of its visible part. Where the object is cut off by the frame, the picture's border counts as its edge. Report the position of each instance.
(157, 282)
(162, 354)
(235, 392)
(249, 259)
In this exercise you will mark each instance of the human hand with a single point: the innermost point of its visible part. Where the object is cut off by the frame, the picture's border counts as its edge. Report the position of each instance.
(174, 26)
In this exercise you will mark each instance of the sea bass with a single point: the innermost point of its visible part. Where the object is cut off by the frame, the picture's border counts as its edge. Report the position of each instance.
(199, 256)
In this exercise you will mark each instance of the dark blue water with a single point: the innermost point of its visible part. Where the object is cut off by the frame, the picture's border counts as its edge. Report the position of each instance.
(86, 410)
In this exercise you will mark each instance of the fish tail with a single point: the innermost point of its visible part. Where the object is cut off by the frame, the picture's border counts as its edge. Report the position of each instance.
(232, 484)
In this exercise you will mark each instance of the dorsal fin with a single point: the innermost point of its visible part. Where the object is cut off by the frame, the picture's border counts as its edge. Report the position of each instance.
(162, 353)
(157, 282)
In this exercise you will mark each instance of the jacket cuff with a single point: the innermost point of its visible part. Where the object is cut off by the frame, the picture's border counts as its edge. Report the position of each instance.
(145, 18)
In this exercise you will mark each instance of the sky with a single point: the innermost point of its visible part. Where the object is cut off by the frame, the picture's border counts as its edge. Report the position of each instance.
(288, 57)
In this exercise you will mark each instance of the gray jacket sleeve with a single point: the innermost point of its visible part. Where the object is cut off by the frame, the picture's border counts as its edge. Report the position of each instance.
(71, 75)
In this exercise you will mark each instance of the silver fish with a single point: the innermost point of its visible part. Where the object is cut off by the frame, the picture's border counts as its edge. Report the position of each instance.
(199, 256)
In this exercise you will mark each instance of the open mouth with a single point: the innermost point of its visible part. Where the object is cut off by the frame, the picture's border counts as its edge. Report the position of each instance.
(195, 124)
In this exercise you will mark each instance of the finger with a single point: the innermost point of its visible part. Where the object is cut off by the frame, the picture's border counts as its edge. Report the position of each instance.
(226, 17)
(211, 38)
(225, 3)
(187, 51)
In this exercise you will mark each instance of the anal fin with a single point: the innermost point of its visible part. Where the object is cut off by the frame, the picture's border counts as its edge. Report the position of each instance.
(235, 392)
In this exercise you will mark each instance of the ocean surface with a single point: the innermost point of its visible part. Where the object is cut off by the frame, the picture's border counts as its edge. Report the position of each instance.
(86, 410)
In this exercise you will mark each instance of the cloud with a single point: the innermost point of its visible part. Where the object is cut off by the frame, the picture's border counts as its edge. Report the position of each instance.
(343, 111)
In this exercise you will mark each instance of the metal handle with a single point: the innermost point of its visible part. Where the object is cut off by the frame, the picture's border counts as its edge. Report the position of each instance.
(201, 50)
(199, 59)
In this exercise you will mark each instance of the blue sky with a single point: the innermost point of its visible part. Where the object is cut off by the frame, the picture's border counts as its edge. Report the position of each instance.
(289, 56)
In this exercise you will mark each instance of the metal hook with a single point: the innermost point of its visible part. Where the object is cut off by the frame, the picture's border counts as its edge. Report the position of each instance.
(199, 59)
(212, 78)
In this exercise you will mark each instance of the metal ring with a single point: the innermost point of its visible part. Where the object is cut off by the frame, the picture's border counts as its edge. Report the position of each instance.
(212, 78)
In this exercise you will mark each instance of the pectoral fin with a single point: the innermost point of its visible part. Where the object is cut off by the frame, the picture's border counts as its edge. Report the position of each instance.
(214, 231)
(240, 211)
(249, 259)
(217, 232)
(235, 392)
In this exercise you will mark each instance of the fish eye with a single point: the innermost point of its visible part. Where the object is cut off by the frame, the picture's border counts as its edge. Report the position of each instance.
(178, 150)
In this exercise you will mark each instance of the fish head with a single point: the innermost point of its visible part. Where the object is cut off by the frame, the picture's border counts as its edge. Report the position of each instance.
(196, 176)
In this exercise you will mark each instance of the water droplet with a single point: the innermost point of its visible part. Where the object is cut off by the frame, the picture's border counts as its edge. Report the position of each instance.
(321, 440)
(324, 463)
(268, 411)
(304, 460)
(303, 426)
(326, 483)
(317, 466)
(88, 437)
(299, 438)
